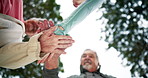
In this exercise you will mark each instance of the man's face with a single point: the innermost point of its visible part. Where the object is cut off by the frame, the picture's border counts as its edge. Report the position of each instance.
(76, 3)
(89, 61)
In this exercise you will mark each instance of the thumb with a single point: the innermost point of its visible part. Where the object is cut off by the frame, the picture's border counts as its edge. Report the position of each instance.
(50, 31)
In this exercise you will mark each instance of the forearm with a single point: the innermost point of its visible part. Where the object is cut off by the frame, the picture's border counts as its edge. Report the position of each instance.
(51, 67)
(15, 55)
(78, 15)
(53, 63)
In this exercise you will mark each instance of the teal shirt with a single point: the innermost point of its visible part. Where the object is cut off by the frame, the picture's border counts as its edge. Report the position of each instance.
(78, 15)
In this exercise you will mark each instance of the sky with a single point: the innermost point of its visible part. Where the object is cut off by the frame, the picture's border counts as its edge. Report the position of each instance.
(87, 36)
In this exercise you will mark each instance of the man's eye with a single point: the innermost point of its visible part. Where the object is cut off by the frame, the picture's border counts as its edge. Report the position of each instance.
(84, 56)
(91, 56)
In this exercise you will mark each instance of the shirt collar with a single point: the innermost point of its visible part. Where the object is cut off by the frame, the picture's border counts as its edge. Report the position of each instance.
(83, 71)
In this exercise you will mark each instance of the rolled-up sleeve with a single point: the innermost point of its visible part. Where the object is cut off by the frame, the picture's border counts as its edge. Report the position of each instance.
(15, 55)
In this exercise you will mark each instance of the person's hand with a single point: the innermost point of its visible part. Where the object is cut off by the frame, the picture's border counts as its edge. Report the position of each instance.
(50, 43)
(53, 44)
(33, 26)
(53, 63)
(49, 56)
(44, 25)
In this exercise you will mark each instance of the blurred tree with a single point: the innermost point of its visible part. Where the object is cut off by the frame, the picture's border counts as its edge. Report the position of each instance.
(126, 30)
(47, 9)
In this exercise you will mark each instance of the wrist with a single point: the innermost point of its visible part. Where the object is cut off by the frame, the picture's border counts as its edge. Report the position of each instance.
(53, 64)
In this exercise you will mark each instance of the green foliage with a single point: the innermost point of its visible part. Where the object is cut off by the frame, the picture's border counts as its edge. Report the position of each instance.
(126, 32)
(39, 9)
(29, 71)
(47, 9)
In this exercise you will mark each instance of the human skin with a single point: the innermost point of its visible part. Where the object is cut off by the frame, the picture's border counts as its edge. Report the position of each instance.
(89, 61)
(54, 41)
(49, 42)
(76, 3)
(33, 27)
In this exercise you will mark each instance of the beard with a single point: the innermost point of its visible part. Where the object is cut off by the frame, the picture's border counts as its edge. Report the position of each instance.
(87, 64)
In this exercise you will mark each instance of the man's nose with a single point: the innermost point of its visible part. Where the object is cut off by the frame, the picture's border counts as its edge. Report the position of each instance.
(87, 57)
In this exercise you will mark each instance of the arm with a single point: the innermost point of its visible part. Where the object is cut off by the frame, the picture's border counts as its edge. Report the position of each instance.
(18, 54)
(78, 15)
(51, 67)
(15, 54)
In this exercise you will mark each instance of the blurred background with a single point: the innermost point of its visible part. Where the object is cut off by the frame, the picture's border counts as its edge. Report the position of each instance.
(118, 31)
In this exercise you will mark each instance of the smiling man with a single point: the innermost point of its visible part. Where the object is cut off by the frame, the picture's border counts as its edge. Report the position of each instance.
(90, 67)
(89, 60)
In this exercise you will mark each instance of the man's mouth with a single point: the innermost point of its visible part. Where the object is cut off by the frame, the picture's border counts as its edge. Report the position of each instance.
(87, 62)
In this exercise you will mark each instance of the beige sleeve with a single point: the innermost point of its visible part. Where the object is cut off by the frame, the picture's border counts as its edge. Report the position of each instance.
(15, 55)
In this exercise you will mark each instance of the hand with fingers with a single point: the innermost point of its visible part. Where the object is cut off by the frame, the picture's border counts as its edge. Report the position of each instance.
(53, 63)
(53, 44)
(35, 25)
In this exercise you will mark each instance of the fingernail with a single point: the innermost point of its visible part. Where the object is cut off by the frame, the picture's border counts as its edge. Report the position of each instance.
(55, 27)
(70, 45)
(73, 41)
(64, 53)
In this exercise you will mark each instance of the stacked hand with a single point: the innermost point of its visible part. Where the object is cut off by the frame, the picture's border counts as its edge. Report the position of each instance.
(33, 26)
(56, 43)
(50, 43)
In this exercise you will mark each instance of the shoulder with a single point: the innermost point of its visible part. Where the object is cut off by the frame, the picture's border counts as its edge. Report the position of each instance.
(106, 76)
(76, 76)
